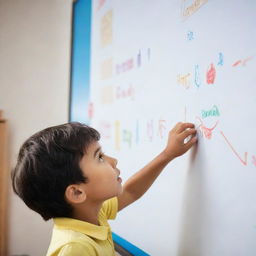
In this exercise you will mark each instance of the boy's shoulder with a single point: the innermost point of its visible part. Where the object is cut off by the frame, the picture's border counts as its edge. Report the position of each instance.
(69, 242)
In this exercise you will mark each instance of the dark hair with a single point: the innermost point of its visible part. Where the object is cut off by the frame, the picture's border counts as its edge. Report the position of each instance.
(47, 163)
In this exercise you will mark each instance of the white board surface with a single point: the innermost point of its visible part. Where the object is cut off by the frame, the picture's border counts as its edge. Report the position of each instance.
(155, 63)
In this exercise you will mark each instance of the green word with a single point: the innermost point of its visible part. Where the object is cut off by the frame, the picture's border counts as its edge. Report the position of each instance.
(213, 112)
(127, 137)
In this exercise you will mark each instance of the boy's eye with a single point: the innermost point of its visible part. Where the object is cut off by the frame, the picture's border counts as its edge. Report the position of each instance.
(101, 157)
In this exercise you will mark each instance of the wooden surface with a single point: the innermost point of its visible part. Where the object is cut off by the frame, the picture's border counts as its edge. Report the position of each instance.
(4, 181)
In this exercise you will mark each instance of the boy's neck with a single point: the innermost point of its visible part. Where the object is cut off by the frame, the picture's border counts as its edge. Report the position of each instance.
(88, 212)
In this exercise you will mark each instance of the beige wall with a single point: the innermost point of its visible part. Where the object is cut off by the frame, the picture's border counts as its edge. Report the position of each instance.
(34, 90)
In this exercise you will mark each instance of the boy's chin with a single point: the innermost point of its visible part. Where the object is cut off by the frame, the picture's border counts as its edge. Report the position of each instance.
(120, 191)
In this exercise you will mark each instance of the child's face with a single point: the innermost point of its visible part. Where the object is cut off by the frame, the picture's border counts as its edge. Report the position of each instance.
(103, 176)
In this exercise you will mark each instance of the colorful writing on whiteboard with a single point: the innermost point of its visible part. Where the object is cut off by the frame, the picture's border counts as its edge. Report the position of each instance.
(187, 9)
(197, 76)
(127, 137)
(190, 35)
(221, 59)
(212, 112)
(207, 132)
(125, 66)
(100, 4)
(242, 62)
(106, 29)
(211, 74)
(143, 56)
(123, 93)
(242, 160)
(105, 129)
(184, 80)
(161, 128)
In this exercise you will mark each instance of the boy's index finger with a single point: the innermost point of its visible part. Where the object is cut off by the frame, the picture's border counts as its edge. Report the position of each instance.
(188, 133)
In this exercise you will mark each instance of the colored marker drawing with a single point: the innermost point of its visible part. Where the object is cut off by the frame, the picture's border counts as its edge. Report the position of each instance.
(237, 63)
(184, 80)
(221, 59)
(197, 76)
(161, 128)
(127, 137)
(190, 35)
(105, 129)
(100, 4)
(243, 161)
(125, 93)
(212, 112)
(106, 33)
(211, 74)
(124, 66)
(187, 9)
(207, 132)
(242, 62)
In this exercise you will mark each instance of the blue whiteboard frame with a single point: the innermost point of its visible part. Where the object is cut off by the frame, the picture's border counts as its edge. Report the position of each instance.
(80, 83)
(80, 62)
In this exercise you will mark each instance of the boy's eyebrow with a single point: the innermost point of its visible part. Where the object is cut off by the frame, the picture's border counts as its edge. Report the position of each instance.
(96, 151)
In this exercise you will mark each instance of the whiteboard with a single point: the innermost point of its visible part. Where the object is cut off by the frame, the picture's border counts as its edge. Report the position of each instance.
(155, 63)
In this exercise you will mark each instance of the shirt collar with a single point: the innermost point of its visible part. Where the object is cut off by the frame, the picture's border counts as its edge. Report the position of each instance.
(98, 232)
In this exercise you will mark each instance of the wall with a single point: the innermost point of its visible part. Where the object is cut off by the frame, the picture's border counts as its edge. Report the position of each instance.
(34, 91)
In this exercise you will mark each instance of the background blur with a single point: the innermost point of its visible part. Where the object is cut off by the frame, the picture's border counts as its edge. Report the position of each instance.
(35, 44)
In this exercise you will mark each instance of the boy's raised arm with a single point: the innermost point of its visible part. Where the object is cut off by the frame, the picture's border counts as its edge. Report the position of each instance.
(141, 181)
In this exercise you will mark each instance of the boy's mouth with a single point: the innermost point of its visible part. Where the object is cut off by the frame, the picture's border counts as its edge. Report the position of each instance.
(119, 179)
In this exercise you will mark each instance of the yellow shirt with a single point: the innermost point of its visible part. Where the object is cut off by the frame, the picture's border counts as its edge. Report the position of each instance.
(80, 238)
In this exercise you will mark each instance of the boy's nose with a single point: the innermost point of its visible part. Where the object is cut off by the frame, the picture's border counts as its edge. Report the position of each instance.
(113, 161)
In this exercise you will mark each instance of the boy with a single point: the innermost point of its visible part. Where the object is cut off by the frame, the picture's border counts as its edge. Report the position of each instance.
(61, 173)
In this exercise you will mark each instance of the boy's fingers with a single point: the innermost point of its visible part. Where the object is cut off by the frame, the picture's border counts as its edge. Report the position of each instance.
(191, 142)
(187, 133)
(183, 126)
(176, 126)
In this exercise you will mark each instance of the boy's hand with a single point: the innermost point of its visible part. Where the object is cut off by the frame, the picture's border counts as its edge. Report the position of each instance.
(176, 146)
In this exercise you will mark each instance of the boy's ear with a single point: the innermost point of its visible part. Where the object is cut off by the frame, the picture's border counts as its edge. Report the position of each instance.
(75, 194)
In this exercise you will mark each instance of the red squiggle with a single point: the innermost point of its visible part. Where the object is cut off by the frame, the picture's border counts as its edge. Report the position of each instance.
(244, 161)
(205, 130)
(242, 62)
(101, 3)
(237, 63)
